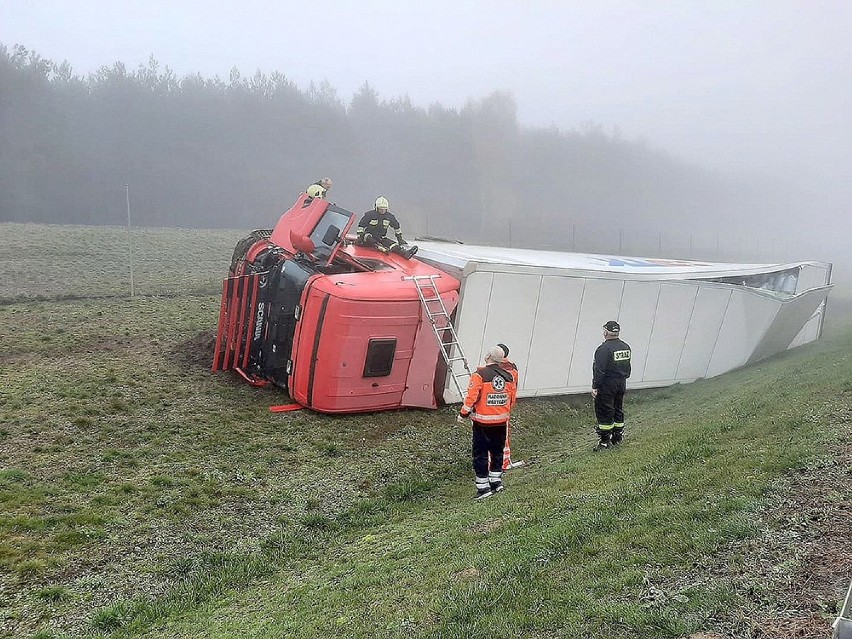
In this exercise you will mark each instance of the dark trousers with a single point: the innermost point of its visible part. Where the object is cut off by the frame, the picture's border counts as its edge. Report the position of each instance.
(383, 244)
(488, 441)
(609, 403)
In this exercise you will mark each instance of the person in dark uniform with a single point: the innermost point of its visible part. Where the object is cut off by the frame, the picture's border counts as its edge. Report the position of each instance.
(609, 382)
(373, 229)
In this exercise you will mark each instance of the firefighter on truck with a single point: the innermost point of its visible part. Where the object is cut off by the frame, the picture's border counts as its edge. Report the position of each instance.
(373, 229)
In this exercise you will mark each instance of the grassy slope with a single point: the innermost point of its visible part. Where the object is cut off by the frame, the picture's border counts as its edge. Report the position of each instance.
(580, 545)
(141, 495)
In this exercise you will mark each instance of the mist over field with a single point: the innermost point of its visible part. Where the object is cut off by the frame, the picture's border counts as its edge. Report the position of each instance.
(711, 133)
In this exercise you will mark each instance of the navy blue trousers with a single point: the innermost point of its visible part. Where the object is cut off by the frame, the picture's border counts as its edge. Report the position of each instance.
(488, 441)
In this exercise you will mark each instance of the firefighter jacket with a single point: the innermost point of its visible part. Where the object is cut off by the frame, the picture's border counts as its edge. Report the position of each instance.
(490, 395)
(612, 360)
(377, 224)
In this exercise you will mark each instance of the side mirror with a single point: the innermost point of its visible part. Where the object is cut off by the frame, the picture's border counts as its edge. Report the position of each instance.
(332, 234)
(302, 243)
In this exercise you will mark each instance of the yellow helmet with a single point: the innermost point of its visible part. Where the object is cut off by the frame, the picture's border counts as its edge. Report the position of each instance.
(382, 203)
(315, 190)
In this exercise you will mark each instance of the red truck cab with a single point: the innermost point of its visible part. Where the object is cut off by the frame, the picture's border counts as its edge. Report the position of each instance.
(340, 326)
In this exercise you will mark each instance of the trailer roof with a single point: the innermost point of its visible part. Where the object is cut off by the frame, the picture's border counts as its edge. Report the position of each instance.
(468, 257)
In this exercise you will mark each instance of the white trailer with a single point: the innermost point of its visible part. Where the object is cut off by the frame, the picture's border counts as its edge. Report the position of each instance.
(684, 320)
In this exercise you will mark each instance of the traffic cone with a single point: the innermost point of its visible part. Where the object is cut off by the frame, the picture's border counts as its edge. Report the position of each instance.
(508, 464)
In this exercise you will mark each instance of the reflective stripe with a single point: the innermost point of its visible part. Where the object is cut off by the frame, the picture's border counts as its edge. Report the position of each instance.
(621, 425)
(467, 407)
(495, 475)
(605, 426)
(491, 419)
(482, 483)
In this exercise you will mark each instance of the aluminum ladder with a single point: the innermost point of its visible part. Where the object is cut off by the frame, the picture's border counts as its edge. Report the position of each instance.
(432, 303)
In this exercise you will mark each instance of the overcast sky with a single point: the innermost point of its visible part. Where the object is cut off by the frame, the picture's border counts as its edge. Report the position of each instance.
(763, 86)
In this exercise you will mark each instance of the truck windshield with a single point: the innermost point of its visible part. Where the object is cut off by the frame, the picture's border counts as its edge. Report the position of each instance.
(326, 240)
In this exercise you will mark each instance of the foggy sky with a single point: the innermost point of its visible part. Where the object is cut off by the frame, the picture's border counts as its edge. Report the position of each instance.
(759, 89)
(755, 85)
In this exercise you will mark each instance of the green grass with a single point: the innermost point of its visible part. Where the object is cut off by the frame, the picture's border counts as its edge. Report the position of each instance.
(142, 495)
(66, 262)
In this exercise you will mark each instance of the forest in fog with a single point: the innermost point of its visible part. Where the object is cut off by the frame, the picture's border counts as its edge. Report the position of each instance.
(210, 153)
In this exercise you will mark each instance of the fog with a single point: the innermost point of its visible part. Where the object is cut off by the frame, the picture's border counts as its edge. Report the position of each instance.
(745, 105)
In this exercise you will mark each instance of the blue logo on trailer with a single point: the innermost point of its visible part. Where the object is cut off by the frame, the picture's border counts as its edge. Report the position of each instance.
(641, 263)
(650, 263)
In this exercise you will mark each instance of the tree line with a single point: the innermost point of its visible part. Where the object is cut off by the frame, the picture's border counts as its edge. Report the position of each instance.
(213, 153)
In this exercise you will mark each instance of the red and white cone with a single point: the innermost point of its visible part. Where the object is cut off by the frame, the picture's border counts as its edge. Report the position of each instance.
(508, 464)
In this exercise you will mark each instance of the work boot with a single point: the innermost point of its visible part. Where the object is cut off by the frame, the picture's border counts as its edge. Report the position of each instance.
(495, 480)
(483, 488)
(617, 437)
(604, 438)
(408, 252)
(483, 493)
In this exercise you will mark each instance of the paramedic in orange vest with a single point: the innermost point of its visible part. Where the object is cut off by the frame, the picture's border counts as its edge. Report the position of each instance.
(490, 395)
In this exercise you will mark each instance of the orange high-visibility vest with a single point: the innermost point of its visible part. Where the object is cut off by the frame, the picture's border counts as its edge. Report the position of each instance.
(510, 367)
(490, 395)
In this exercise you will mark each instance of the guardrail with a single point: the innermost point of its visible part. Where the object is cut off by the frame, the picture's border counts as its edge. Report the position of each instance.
(843, 624)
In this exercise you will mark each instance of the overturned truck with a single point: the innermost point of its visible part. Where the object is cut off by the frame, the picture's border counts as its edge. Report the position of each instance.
(344, 328)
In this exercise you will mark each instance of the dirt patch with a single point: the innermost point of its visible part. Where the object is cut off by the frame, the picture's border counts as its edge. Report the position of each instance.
(487, 527)
(196, 353)
(467, 574)
(812, 627)
(382, 430)
(795, 574)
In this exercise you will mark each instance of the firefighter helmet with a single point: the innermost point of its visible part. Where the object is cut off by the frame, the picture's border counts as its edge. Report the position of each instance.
(382, 203)
(315, 190)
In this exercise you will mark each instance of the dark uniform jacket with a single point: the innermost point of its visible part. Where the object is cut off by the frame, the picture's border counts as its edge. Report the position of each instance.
(377, 225)
(612, 361)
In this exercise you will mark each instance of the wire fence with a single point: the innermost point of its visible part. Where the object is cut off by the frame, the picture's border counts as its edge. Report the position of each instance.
(83, 261)
(739, 247)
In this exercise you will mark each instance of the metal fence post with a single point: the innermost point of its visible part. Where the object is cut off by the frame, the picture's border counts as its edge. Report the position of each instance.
(129, 237)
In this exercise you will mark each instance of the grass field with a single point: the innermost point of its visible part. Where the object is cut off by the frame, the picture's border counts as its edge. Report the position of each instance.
(143, 496)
